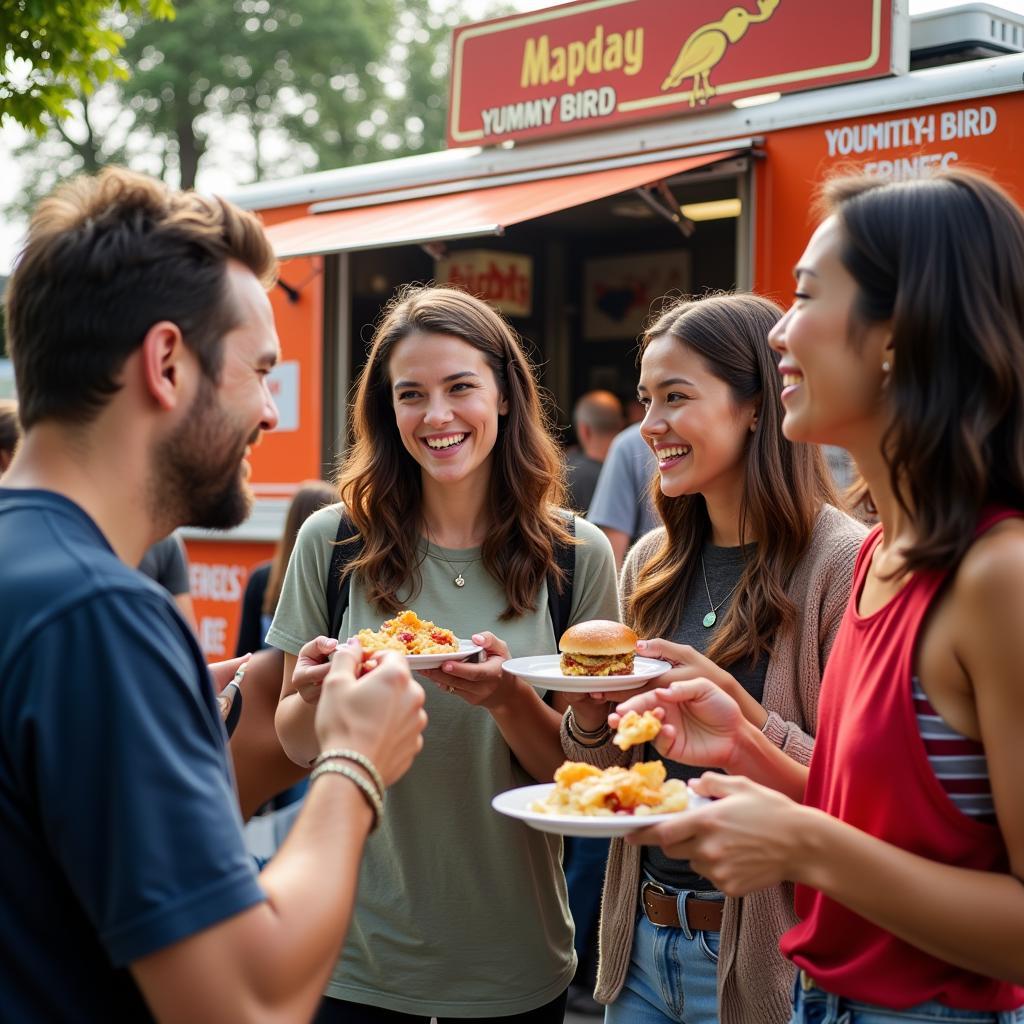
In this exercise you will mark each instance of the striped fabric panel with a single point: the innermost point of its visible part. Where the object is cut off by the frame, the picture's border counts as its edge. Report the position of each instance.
(958, 762)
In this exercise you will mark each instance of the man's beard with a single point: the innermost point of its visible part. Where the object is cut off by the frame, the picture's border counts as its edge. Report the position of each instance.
(197, 477)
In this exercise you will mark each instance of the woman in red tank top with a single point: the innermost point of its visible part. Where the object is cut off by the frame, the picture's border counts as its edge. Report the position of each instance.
(905, 836)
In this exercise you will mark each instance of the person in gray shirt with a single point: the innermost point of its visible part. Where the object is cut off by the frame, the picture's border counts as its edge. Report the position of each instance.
(597, 419)
(621, 505)
(166, 562)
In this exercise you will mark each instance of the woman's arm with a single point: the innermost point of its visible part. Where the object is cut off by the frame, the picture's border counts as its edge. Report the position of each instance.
(752, 837)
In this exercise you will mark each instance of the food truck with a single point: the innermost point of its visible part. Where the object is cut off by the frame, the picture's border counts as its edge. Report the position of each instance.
(602, 154)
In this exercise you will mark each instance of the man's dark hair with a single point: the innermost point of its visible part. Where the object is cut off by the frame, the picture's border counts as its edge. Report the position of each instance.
(106, 258)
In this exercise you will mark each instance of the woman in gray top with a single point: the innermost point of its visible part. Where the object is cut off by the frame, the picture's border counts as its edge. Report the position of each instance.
(455, 487)
(746, 582)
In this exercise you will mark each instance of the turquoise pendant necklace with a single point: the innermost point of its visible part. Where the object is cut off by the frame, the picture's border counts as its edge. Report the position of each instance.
(712, 616)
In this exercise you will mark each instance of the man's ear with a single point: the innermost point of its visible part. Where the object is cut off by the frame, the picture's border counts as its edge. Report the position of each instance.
(166, 363)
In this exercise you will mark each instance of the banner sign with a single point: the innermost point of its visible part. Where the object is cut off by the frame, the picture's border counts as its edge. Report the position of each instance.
(595, 63)
(504, 279)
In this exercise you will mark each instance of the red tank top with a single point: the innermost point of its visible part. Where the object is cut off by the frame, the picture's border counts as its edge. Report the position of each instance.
(870, 769)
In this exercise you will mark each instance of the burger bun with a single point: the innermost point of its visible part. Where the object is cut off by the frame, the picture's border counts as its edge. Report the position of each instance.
(598, 638)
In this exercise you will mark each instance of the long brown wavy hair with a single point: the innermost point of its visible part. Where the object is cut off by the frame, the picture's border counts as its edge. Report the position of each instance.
(381, 484)
(942, 259)
(784, 488)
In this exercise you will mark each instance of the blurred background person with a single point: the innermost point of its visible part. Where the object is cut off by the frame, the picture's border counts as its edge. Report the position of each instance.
(270, 784)
(264, 585)
(622, 504)
(167, 564)
(596, 418)
(10, 432)
(634, 410)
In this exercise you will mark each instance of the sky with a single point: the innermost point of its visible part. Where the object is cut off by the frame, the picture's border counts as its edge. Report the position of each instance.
(11, 230)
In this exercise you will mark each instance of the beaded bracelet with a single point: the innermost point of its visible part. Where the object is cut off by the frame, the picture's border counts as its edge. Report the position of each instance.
(588, 733)
(360, 759)
(584, 737)
(364, 785)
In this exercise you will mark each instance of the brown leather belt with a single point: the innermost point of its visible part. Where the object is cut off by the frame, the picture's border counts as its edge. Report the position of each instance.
(662, 909)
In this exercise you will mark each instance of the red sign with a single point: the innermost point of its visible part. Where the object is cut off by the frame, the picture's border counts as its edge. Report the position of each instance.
(504, 279)
(594, 63)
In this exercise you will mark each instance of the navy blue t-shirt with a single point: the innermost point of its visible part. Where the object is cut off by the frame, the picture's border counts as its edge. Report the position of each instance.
(120, 832)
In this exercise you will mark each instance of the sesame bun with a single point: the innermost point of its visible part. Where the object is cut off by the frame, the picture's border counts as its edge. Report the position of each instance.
(598, 638)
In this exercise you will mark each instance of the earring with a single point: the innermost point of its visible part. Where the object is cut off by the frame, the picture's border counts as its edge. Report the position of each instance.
(886, 366)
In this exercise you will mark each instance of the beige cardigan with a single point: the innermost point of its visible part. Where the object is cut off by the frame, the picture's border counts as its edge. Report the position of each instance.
(754, 979)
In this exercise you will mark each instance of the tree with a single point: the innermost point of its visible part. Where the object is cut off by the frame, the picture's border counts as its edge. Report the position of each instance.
(264, 88)
(54, 49)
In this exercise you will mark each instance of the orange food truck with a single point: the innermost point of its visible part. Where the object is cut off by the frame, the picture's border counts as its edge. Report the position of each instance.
(604, 153)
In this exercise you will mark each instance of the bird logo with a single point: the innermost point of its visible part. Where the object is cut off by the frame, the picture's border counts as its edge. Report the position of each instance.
(707, 45)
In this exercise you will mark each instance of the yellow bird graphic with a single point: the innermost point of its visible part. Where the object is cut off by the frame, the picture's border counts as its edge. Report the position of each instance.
(707, 45)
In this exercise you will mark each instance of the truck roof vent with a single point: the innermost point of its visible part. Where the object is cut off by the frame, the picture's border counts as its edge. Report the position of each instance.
(965, 32)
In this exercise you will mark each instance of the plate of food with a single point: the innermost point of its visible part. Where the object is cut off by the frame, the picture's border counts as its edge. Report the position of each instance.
(424, 644)
(588, 801)
(597, 656)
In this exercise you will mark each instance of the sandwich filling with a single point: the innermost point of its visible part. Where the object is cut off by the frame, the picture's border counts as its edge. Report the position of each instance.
(574, 664)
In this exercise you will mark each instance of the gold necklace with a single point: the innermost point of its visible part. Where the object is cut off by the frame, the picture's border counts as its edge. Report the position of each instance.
(458, 579)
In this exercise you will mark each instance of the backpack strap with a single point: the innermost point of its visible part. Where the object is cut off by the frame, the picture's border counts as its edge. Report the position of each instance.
(337, 587)
(560, 604)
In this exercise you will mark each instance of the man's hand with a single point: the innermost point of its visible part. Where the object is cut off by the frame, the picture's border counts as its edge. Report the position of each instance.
(379, 713)
(223, 674)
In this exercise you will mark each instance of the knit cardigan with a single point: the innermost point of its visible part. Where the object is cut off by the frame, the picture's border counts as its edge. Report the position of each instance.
(754, 980)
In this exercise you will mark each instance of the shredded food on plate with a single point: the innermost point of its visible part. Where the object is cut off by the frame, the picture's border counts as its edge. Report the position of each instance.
(640, 789)
(410, 634)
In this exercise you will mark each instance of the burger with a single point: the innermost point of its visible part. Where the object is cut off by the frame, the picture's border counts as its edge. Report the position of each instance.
(597, 648)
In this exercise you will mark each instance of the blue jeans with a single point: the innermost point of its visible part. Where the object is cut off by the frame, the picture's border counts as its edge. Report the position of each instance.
(815, 1006)
(673, 974)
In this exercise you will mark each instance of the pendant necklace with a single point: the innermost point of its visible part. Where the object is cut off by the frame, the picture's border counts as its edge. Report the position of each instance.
(712, 616)
(458, 579)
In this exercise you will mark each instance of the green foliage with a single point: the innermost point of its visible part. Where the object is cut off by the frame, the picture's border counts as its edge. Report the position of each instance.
(257, 89)
(54, 50)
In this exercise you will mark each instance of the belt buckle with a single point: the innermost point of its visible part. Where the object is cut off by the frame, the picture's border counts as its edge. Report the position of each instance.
(807, 983)
(651, 886)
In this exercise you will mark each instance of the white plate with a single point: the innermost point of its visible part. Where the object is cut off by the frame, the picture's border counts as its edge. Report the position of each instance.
(516, 804)
(544, 672)
(421, 661)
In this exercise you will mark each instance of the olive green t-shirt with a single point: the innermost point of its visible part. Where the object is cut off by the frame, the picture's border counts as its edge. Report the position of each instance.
(461, 911)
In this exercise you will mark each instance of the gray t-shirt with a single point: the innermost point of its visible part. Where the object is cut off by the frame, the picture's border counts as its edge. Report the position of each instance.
(461, 911)
(622, 497)
(724, 567)
(581, 473)
(166, 563)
